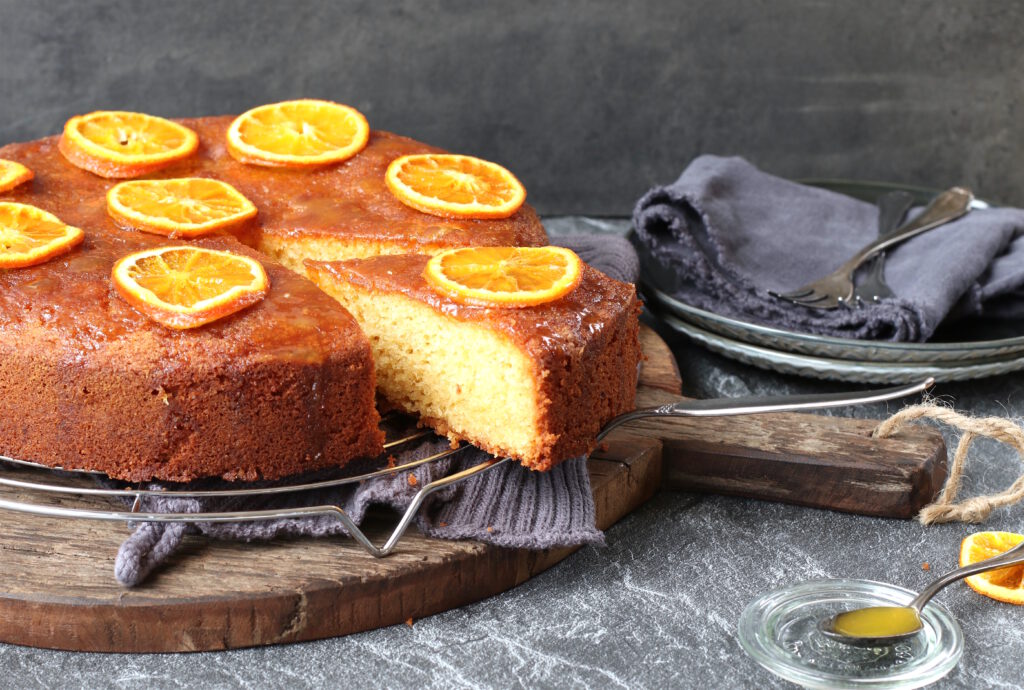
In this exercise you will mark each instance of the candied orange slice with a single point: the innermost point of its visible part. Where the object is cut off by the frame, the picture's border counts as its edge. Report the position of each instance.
(298, 134)
(504, 276)
(187, 207)
(1005, 584)
(455, 186)
(30, 235)
(119, 144)
(13, 174)
(185, 287)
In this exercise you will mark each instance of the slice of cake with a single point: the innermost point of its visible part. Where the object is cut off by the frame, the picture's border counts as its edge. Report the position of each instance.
(534, 383)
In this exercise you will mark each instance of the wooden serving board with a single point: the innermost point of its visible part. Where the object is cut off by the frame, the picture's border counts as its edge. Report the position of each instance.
(57, 587)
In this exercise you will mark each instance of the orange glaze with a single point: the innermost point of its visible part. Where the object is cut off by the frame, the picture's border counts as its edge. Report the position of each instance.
(71, 297)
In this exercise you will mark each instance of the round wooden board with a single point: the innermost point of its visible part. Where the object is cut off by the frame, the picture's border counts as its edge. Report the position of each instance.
(59, 591)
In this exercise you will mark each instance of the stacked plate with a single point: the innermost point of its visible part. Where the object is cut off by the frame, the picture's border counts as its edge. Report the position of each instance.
(997, 349)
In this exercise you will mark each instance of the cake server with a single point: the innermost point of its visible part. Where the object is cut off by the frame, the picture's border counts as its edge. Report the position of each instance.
(727, 407)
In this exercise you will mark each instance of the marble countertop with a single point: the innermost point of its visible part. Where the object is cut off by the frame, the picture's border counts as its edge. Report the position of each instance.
(657, 607)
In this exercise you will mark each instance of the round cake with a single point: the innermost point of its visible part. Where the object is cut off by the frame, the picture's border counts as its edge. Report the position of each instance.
(282, 387)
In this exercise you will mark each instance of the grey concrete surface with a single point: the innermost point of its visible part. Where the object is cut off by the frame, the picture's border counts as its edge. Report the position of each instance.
(656, 608)
(589, 103)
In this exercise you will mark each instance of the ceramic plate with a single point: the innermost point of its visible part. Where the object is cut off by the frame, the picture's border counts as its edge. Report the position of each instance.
(853, 371)
(997, 347)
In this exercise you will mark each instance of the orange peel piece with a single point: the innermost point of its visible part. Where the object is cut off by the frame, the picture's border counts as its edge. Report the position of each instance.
(186, 207)
(504, 276)
(186, 287)
(298, 134)
(30, 236)
(454, 186)
(120, 144)
(1005, 584)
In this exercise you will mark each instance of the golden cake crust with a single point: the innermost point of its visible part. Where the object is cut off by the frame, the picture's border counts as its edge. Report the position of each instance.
(88, 382)
(584, 347)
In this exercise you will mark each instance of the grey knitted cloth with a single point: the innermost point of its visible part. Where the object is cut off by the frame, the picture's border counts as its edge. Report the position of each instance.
(725, 233)
(506, 506)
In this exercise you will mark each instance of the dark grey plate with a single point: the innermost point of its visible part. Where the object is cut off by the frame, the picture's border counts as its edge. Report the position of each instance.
(949, 353)
(853, 371)
(993, 342)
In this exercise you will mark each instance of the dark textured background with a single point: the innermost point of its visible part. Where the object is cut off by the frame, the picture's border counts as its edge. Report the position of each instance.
(590, 103)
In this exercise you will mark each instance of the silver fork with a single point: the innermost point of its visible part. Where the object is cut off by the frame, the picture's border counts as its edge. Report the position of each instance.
(892, 206)
(836, 289)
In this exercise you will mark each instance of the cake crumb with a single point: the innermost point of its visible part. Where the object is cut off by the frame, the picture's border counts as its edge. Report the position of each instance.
(412, 480)
(490, 529)
(442, 524)
(408, 621)
(392, 461)
(926, 566)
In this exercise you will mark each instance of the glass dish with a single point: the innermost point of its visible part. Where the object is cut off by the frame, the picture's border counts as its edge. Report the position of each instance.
(780, 631)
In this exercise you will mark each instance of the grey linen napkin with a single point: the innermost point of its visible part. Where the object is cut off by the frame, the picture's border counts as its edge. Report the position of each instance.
(725, 233)
(506, 506)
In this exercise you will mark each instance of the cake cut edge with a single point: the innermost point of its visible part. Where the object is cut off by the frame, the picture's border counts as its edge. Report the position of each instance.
(534, 384)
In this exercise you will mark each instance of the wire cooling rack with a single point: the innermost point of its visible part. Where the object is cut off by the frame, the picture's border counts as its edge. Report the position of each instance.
(83, 483)
(42, 480)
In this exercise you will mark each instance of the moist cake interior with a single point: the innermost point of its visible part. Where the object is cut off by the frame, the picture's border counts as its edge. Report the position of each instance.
(535, 383)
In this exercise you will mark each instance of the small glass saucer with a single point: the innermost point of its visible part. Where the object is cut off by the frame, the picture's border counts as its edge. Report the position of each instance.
(780, 631)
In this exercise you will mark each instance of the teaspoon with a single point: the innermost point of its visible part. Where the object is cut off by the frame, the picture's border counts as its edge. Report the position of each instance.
(880, 626)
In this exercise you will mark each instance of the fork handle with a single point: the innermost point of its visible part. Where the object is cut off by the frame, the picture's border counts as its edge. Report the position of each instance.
(949, 205)
(891, 209)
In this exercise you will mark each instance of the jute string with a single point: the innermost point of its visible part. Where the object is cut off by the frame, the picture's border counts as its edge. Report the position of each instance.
(975, 509)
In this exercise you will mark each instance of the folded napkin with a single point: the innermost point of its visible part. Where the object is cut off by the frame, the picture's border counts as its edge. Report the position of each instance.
(506, 506)
(725, 233)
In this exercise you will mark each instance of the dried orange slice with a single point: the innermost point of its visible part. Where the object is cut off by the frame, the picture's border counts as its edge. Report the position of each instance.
(13, 174)
(117, 144)
(1005, 584)
(185, 287)
(298, 134)
(30, 235)
(186, 207)
(451, 185)
(504, 276)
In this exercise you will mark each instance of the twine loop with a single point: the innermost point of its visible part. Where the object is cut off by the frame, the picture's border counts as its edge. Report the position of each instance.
(977, 508)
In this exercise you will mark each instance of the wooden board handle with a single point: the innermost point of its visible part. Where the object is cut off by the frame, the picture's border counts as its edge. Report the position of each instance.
(807, 459)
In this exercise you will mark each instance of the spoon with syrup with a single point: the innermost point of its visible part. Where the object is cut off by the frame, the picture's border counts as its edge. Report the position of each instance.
(880, 626)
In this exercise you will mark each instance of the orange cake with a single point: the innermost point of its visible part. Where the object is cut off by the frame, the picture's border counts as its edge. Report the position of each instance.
(284, 385)
(535, 383)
